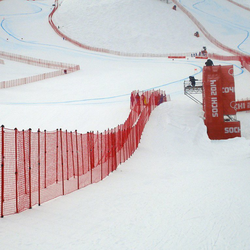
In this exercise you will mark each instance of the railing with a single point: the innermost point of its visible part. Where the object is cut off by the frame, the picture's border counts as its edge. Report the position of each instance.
(240, 5)
(40, 166)
(244, 59)
(108, 51)
(63, 68)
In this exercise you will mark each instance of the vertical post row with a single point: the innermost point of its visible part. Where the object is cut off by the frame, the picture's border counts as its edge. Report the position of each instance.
(2, 172)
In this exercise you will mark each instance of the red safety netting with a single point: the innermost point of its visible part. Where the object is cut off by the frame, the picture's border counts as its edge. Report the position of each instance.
(109, 51)
(40, 166)
(63, 68)
(244, 59)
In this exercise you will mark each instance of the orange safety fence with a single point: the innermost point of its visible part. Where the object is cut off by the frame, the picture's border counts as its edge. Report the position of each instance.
(240, 5)
(39, 166)
(108, 51)
(62, 68)
(243, 58)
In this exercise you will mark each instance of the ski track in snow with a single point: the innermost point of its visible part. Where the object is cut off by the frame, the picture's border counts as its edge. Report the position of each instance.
(180, 191)
(231, 21)
(37, 10)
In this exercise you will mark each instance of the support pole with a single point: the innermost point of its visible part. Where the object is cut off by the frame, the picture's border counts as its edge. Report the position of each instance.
(77, 162)
(67, 155)
(108, 151)
(2, 172)
(72, 147)
(90, 154)
(39, 171)
(56, 155)
(62, 162)
(16, 175)
(101, 158)
(45, 159)
(30, 203)
(82, 155)
(24, 164)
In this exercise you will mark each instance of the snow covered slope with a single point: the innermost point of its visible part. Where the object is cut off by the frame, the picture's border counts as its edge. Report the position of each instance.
(179, 190)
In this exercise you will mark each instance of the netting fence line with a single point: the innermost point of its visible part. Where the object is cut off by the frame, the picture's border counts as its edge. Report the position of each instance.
(39, 166)
(108, 51)
(62, 68)
(240, 5)
(244, 59)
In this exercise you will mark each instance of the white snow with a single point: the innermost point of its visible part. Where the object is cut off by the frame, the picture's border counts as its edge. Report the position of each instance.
(179, 190)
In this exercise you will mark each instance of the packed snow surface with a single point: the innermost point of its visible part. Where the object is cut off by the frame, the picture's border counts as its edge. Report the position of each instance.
(179, 190)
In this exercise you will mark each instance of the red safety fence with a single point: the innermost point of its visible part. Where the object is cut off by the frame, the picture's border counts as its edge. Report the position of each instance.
(63, 68)
(108, 51)
(39, 166)
(240, 5)
(244, 59)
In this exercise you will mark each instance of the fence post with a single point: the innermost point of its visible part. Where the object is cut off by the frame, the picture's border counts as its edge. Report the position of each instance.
(123, 143)
(82, 155)
(62, 161)
(30, 203)
(67, 155)
(24, 163)
(39, 172)
(77, 161)
(88, 149)
(90, 142)
(45, 159)
(101, 158)
(115, 148)
(2, 172)
(16, 175)
(108, 152)
(120, 143)
(112, 149)
(56, 155)
(72, 147)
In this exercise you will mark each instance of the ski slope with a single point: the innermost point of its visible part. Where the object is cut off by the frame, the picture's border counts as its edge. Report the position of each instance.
(179, 190)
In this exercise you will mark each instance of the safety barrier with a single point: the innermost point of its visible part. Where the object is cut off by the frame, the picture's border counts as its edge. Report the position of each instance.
(108, 51)
(63, 68)
(40, 166)
(240, 5)
(246, 63)
(244, 59)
